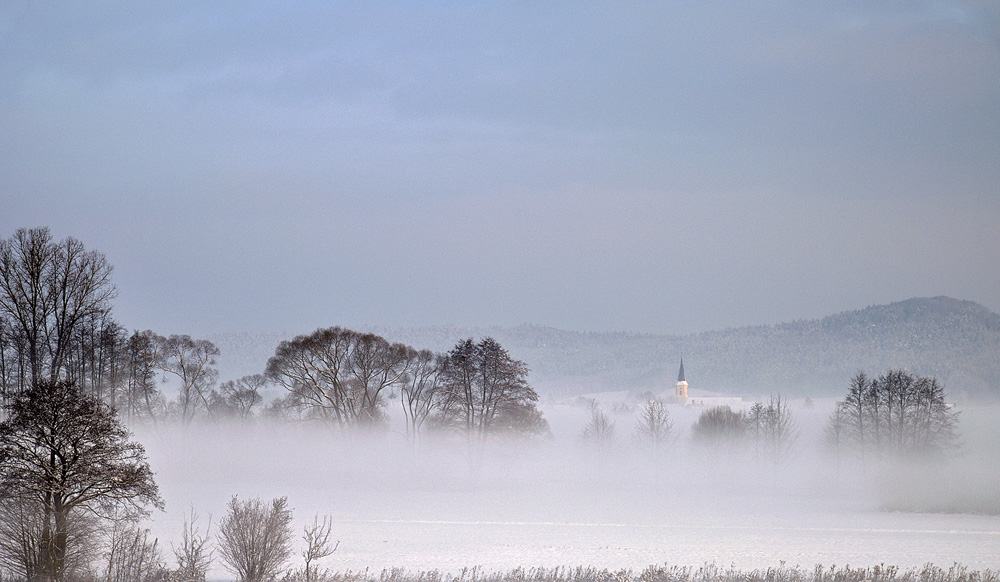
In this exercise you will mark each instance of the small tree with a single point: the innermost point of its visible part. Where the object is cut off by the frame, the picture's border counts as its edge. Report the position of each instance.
(255, 540)
(64, 455)
(131, 555)
(772, 429)
(600, 430)
(194, 555)
(654, 427)
(719, 427)
(317, 538)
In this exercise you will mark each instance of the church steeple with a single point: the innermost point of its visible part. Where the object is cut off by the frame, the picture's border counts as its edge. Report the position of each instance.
(681, 395)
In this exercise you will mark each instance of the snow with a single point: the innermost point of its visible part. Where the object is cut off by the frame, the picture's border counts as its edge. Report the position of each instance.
(445, 506)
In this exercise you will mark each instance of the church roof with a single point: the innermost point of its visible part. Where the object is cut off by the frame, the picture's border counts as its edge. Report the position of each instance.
(680, 374)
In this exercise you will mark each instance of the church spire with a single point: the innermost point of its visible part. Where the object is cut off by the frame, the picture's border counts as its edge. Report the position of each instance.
(681, 395)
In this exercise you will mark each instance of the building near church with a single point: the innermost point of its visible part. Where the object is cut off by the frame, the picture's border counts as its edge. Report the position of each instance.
(683, 397)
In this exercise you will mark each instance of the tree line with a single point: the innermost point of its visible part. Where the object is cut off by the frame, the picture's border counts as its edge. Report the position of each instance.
(894, 415)
(767, 430)
(56, 324)
(74, 485)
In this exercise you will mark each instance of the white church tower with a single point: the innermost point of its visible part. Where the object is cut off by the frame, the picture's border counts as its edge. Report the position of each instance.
(681, 395)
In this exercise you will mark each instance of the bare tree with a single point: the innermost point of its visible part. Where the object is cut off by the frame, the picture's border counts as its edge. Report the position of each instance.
(22, 529)
(65, 453)
(317, 539)
(190, 361)
(654, 427)
(194, 555)
(141, 397)
(15, 370)
(418, 391)
(255, 540)
(47, 289)
(484, 390)
(772, 428)
(896, 414)
(239, 397)
(338, 375)
(131, 555)
(599, 430)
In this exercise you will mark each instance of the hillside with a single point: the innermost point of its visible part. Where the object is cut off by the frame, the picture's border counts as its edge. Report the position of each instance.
(956, 341)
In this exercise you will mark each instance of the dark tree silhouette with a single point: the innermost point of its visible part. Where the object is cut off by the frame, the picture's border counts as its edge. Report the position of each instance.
(896, 414)
(47, 291)
(484, 390)
(64, 453)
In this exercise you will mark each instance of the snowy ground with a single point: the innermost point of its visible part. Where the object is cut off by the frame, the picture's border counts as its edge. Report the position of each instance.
(555, 503)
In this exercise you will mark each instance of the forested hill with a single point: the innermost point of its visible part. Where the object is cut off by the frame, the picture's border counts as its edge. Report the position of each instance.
(956, 341)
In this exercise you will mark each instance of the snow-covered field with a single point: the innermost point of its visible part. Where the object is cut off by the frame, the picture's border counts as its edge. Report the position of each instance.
(440, 506)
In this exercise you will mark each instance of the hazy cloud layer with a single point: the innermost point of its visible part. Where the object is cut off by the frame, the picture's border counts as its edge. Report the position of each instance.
(643, 167)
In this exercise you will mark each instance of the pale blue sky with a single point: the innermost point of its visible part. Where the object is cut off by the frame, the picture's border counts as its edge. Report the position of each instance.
(659, 167)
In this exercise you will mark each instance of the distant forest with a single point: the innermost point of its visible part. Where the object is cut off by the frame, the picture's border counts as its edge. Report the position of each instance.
(957, 342)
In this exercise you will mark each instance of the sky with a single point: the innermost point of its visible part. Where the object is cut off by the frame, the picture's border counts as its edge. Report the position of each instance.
(661, 167)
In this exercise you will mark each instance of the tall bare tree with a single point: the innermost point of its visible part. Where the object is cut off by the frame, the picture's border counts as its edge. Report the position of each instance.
(418, 392)
(192, 362)
(140, 395)
(47, 290)
(15, 370)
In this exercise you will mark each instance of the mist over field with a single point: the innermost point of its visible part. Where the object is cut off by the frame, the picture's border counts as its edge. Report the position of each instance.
(290, 212)
(448, 504)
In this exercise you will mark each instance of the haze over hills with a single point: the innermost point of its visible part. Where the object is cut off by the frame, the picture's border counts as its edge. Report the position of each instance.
(956, 341)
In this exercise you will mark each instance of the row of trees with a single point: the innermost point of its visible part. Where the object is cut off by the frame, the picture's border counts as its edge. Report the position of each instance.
(345, 378)
(56, 324)
(893, 416)
(653, 430)
(767, 430)
(55, 301)
(896, 414)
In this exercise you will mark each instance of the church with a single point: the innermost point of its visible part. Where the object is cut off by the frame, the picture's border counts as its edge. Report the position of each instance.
(683, 398)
